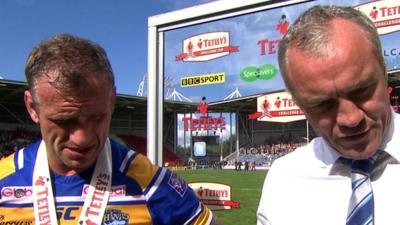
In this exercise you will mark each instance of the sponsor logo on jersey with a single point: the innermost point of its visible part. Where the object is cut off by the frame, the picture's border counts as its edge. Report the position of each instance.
(16, 192)
(3, 221)
(16, 222)
(67, 213)
(119, 190)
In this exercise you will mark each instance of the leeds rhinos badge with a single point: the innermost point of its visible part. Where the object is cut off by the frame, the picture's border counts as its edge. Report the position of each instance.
(177, 184)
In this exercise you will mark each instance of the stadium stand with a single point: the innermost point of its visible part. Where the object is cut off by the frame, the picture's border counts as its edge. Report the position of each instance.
(12, 140)
(266, 153)
(134, 142)
(139, 145)
(130, 119)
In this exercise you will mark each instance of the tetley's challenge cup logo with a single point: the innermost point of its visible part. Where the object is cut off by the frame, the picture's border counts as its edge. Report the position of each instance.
(206, 46)
(384, 14)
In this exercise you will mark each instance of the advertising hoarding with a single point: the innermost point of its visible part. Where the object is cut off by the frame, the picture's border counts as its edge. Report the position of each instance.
(244, 49)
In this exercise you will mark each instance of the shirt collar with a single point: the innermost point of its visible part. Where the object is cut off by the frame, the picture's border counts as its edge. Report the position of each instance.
(390, 143)
(326, 155)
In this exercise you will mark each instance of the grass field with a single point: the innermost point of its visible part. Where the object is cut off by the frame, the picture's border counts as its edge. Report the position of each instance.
(246, 189)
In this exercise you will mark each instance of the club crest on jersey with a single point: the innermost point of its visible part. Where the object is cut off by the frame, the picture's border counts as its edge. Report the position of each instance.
(177, 184)
(115, 217)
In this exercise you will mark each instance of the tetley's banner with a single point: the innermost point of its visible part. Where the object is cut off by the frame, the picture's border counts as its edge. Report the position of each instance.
(206, 46)
(216, 196)
(239, 54)
(277, 107)
(385, 14)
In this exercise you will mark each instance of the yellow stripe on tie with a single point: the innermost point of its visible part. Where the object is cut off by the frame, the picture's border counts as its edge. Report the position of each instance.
(142, 170)
(7, 166)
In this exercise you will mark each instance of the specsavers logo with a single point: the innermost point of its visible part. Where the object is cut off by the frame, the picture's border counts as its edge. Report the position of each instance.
(206, 47)
(385, 14)
(253, 73)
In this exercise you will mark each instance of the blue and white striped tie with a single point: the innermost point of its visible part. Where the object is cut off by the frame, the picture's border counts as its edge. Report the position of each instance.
(361, 208)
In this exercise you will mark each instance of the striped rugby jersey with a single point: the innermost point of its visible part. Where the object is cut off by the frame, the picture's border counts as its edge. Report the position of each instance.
(142, 193)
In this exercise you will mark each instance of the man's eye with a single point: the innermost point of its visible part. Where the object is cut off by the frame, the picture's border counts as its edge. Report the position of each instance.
(60, 121)
(322, 106)
(96, 117)
(363, 93)
(325, 104)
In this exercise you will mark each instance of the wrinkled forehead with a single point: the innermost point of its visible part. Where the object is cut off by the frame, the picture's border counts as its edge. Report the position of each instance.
(75, 80)
(91, 100)
(77, 87)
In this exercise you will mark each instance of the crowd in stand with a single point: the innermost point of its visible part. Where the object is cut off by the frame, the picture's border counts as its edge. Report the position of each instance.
(272, 149)
(252, 154)
(11, 141)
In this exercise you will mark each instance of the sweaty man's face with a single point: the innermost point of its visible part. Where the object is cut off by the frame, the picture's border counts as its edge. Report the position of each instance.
(343, 94)
(74, 128)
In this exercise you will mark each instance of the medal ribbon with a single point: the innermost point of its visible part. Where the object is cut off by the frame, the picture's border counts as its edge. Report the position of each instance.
(95, 202)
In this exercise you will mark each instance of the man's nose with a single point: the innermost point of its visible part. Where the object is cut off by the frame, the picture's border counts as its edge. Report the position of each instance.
(81, 134)
(349, 113)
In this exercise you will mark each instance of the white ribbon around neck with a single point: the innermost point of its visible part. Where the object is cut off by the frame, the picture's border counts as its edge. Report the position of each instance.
(96, 199)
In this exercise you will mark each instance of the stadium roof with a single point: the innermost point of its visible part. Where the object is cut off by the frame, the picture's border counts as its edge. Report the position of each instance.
(12, 108)
(130, 111)
(394, 76)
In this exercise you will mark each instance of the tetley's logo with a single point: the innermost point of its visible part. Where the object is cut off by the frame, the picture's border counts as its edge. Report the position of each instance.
(206, 46)
(205, 122)
(385, 14)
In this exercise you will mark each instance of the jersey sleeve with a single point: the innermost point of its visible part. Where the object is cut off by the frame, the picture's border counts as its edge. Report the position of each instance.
(171, 201)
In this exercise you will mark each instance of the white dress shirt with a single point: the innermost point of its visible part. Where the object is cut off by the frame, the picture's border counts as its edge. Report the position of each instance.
(308, 186)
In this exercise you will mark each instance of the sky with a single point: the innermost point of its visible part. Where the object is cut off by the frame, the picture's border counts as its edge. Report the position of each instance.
(120, 27)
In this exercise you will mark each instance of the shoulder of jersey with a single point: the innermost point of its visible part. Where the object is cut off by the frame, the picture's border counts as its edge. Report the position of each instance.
(7, 166)
(19, 160)
(134, 165)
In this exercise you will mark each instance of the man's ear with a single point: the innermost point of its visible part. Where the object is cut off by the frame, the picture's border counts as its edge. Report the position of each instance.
(30, 106)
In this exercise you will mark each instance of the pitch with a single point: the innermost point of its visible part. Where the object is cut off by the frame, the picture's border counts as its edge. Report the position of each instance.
(246, 189)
